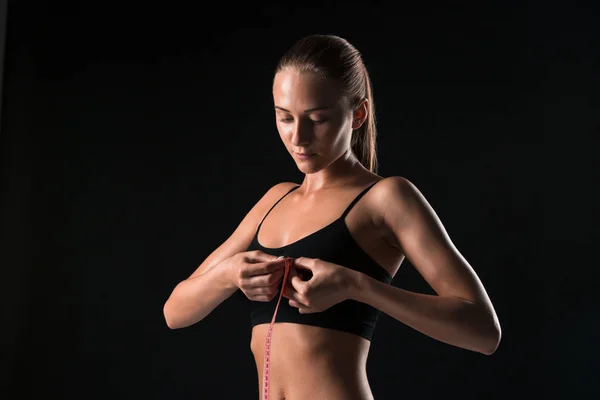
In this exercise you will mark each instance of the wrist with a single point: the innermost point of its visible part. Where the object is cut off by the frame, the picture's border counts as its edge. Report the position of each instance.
(357, 285)
(225, 275)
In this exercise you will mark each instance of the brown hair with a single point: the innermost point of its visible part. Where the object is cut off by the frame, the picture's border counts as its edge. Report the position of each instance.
(334, 57)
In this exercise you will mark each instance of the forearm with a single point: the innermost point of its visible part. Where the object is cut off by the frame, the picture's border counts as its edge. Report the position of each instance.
(451, 320)
(195, 298)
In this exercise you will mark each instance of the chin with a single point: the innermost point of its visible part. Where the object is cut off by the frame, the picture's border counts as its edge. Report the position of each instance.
(309, 168)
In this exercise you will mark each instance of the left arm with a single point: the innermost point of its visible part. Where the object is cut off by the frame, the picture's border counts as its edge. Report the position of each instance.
(461, 314)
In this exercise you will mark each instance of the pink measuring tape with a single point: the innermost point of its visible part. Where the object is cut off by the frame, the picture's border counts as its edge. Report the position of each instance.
(265, 381)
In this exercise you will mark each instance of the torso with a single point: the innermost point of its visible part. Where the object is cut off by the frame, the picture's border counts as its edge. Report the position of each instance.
(314, 362)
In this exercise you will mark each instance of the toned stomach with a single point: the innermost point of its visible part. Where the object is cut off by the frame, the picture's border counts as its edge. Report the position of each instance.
(309, 362)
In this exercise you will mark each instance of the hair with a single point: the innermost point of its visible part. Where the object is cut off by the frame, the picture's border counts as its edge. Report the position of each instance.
(334, 57)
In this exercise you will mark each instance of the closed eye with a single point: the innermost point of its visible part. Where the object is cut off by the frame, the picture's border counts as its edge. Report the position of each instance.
(316, 122)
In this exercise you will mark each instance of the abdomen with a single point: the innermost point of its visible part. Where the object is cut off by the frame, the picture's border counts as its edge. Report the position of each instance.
(312, 362)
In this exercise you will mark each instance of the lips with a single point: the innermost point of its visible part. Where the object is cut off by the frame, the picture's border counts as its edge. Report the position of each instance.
(304, 156)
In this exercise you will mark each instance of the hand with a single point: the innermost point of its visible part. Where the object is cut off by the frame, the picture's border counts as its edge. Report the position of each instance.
(328, 285)
(257, 274)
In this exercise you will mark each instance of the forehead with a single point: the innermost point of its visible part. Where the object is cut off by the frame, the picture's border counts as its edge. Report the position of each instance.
(297, 91)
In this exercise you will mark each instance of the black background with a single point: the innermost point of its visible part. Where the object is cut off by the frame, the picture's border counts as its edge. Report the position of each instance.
(135, 137)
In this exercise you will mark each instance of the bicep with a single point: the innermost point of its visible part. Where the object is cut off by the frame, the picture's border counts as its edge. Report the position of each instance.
(420, 234)
(242, 236)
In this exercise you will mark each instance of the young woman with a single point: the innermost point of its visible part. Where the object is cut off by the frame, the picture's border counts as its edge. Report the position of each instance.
(343, 233)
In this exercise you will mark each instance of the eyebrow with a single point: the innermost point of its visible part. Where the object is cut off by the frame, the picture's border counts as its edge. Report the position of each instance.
(306, 111)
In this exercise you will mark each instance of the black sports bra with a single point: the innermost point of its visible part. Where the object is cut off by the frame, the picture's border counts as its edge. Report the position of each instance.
(333, 243)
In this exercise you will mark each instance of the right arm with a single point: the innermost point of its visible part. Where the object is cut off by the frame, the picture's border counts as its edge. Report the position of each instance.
(215, 279)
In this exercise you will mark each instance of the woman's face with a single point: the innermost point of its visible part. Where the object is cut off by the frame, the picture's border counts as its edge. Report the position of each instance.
(313, 117)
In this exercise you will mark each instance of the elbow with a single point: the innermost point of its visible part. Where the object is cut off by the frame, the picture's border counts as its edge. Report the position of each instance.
(170, 317)
(176, 318)
(489, 331)
(492, 339)
(170, 321)
(170, 311)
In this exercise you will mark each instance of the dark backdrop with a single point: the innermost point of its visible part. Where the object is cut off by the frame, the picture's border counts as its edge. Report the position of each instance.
(135, 137)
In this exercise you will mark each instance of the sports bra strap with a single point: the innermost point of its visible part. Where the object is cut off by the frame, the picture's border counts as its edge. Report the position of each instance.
(356, 199)
(277, 202)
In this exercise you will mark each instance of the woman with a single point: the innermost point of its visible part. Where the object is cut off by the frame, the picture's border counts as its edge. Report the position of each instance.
(346, 231)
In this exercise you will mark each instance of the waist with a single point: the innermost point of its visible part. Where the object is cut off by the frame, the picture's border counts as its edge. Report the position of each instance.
(313, 362)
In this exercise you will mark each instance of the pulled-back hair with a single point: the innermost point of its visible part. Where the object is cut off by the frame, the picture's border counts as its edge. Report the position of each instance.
(335, 58)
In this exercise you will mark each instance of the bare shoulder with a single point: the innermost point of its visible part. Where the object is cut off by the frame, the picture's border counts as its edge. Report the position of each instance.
(269, 198)
(281, 188)
(391, 183)
(405, 215)
(242, 236)
(250, 222)
(391, 192)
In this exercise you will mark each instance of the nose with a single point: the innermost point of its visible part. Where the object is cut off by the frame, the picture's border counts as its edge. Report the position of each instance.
(302, 133)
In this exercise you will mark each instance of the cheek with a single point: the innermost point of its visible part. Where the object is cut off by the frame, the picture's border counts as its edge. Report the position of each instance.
(284, 129)
(342, 132)
(285, 132)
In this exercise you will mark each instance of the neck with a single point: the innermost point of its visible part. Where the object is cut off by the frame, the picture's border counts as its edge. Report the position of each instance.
(346, 169)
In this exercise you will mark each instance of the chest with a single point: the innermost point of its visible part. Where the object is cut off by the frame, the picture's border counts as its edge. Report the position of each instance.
(328, 229)
(314, 221)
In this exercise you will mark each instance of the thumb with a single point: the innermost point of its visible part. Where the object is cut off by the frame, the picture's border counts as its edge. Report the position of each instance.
(257, 256)
(298, 284)
(304, 262)
(291, 275)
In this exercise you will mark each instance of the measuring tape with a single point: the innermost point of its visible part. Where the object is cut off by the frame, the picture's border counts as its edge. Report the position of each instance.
(265, 381)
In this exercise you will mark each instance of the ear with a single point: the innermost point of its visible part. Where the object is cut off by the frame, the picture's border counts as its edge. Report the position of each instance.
(361, 112)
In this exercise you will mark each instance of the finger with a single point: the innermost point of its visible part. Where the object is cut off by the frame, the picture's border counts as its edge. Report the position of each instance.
(302, 309)
(304, 274)
(304, 262)
(265, 267)
(295, 304)
(288, 284)
(292, 274)
(289, 292)
(293, 295)
(257, 256)
(304, 267)
(264, 298)
(265, 280)
(264, 293)
(298, 284)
